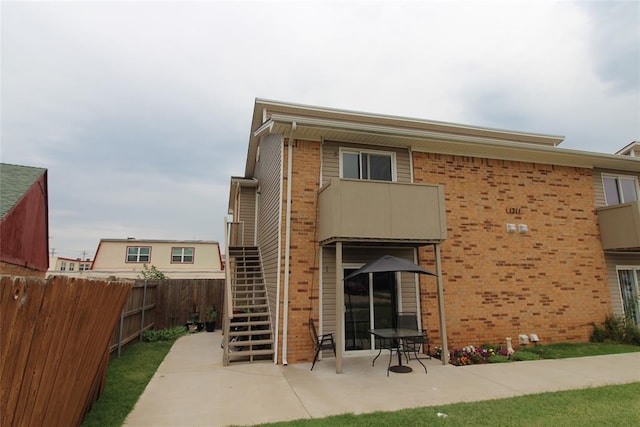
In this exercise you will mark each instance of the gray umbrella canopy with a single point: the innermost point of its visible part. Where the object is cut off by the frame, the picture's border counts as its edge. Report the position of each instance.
(390, 263)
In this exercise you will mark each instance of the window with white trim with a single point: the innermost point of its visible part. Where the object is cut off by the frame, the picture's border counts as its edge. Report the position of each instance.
(63, 265)
(619, 189)
(84, 266)
(367, 165)
(72, 266)
(182, 255)
(138, 253)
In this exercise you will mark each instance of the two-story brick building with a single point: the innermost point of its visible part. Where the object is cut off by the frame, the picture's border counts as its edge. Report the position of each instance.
(526, 237)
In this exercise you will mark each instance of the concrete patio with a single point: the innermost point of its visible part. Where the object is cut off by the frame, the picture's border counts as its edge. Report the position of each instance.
(192, 388)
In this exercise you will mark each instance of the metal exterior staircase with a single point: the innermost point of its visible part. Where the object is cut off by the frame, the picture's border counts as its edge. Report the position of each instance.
(248, 334)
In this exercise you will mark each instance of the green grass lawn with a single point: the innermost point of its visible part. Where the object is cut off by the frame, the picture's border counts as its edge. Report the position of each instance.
(127, 377)
(564, 350)
(616, 405)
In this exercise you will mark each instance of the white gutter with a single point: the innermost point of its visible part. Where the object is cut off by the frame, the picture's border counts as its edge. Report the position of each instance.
(287, 247)
(477, 146)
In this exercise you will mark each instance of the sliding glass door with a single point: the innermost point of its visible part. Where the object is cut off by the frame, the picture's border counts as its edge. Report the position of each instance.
(370, 302)
(629, 288)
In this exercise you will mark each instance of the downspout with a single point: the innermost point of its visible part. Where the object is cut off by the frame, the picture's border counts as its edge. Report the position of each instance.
(287, 247)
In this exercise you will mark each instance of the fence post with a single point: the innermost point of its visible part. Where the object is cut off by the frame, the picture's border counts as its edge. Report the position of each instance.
(120, 332)
(144, 306)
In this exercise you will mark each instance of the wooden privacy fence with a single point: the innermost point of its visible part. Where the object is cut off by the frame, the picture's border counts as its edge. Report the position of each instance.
(138, 315)
(161, 304)
(179, 298)
(54, 337)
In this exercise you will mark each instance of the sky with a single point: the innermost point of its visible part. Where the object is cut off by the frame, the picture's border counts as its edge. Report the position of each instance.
(141, 111)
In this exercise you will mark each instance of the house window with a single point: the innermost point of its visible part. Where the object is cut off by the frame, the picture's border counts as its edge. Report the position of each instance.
(84, 267)
(369, 165)
(182, 255)
(72, 266)
(619, 189)
(138, 253)
(629, 279)
(63, 265)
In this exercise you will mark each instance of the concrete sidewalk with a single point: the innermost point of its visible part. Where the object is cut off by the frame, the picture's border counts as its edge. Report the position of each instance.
(192, 388)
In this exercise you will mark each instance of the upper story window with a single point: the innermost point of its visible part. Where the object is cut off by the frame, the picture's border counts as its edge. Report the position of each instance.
(369, 165)
(182, 255)
(619, 189)
(63, 265)
(84, 266)
(72, 266)
(138, 253)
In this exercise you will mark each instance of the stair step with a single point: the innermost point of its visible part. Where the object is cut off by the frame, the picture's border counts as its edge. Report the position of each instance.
(248, 291)
(252, 323)
(253, 307)
(262, 299)
(244, 353)
(255, 332)
(241, 315)
(249, 343)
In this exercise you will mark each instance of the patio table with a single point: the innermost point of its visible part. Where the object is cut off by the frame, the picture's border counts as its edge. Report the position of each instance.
(393, 336)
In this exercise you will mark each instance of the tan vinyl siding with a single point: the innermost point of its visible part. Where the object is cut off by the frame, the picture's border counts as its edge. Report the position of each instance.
(613, 261)
(331, 160)
(328, 289)
(598, 188)
(354, 255)
(247, 214)
(268, 172)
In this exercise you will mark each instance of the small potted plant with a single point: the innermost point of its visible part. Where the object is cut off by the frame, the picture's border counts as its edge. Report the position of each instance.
(212, 315)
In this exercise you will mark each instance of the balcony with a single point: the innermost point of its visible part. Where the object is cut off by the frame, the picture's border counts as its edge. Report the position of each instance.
(620, 227)
(354, 210)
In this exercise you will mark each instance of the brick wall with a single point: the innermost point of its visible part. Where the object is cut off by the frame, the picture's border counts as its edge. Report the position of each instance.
(304, 278)
(550, 281)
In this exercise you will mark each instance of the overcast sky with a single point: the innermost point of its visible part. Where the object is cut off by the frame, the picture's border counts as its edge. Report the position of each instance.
(141, 111)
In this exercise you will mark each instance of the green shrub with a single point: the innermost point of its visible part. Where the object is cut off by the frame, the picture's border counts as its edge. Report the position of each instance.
(524, 355)
(616, 329)
(153, 335)
(631, 333)
(498, 358)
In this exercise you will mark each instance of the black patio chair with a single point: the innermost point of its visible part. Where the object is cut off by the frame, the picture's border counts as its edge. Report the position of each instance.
(409, 320)
(322, 342)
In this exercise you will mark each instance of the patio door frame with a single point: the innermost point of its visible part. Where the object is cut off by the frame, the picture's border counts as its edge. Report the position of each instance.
(398, 299)
(635, 291)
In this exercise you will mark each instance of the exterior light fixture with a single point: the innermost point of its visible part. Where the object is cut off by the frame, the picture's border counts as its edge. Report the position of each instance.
(523, 228)
(511, 228)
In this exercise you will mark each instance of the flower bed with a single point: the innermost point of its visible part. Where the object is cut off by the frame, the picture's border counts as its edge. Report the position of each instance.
(471, 355)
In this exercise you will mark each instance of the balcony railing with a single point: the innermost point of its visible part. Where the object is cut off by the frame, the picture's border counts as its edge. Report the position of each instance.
(620, 226)
(354, 210)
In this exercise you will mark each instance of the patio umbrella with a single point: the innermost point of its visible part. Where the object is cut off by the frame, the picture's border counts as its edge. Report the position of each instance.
(390, 263)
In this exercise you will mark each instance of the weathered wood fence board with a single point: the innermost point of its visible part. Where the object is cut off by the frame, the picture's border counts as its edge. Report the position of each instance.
(55, 335)
(178, 298)
(167, 303)
(138, 315)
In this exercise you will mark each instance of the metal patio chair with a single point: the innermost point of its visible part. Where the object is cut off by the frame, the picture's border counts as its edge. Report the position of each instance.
(409, 320)
(322, 342)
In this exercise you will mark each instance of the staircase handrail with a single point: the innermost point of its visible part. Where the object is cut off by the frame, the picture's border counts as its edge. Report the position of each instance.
(227, 291)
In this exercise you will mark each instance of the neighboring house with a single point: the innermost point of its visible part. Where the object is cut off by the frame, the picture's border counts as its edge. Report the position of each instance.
(24, 223)
(509, 221)
(177, 259)
(61, 266)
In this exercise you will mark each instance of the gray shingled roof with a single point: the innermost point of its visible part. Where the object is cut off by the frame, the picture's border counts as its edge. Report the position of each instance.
(15, 180)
